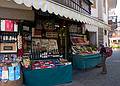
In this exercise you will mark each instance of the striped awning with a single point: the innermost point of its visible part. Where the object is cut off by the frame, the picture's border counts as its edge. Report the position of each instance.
(58, 9)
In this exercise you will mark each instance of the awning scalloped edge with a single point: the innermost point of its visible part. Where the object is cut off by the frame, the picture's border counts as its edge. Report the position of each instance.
(56, 8)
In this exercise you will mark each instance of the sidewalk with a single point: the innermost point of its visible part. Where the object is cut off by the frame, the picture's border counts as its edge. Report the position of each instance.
(94, 78)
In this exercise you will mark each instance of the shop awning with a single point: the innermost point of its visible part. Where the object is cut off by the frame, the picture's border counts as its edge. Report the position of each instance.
(58, 9)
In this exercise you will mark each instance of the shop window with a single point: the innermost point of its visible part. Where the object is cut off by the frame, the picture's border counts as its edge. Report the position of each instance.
(119, 41)
(114, 41)
(105, 32)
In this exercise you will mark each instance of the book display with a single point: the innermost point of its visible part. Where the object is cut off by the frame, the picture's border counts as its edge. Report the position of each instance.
(9, 61)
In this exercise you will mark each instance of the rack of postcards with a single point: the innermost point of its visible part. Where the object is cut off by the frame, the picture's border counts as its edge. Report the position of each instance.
(9, 62)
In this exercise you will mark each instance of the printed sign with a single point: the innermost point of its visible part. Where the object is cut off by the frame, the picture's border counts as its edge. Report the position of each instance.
(9, 25)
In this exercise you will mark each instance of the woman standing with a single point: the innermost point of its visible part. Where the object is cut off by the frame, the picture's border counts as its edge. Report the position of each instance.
(104, 56)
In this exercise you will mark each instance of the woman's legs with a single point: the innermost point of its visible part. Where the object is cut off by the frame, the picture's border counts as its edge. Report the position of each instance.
(104, 68)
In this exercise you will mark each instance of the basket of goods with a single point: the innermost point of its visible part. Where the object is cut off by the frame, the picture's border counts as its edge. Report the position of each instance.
(10, 74)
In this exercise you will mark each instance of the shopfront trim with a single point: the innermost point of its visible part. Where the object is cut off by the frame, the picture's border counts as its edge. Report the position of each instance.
(58, 9)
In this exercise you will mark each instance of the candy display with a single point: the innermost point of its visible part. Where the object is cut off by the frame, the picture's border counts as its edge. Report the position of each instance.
(45, 54)
(9, 71)
(41, 64)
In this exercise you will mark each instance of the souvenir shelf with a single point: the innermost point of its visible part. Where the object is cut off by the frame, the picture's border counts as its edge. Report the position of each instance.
(46, 51)
(46, 61)
(9, 65)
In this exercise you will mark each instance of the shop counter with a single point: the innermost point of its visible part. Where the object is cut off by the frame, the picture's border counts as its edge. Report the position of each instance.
(48, 76)
(86, 61)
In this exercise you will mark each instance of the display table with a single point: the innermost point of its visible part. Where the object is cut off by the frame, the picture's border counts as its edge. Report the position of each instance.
(86, 61)
(49, 76)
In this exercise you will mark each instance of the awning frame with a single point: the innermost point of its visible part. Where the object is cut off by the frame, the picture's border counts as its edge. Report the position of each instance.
(52, 7)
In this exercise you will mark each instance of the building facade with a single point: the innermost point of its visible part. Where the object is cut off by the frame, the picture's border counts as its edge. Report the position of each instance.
(95, 18)
(99, 10)
(114, 24)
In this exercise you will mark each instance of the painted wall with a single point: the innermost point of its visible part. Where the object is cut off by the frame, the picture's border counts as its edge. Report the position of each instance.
(11, 10)
(103, 16)
(94, 9)
(16, 14)
(105, 11)
(105, 19)
(12, 4)
(105, 38)
(92, 29)
(93, 33)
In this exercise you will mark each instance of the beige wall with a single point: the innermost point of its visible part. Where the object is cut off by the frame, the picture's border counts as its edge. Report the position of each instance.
(16, 14)
(12, 4)
(11, 10)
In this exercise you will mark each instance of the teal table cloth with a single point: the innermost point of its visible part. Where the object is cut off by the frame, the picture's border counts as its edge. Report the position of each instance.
(86, 61)
(49, 76)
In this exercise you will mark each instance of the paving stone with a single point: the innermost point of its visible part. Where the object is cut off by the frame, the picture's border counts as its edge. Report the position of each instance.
(94, 78)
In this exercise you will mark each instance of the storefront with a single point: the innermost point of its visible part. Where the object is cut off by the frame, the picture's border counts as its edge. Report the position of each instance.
(43, 56)
(84, 54)
(45, 43)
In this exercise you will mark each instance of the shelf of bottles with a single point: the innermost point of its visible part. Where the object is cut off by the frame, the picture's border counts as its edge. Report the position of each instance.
(6, 37)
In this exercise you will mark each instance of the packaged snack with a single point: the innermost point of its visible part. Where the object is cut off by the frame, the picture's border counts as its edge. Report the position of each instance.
(11, 73)
(4, 73)
(17, 72)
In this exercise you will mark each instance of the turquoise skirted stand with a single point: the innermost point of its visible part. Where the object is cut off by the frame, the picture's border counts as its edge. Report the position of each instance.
(86, 61)
(48, 76)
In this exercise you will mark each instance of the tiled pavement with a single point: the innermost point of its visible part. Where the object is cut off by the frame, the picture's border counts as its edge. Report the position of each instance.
(94, 78)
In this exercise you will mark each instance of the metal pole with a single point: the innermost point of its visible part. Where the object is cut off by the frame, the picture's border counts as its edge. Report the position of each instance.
(65, 43)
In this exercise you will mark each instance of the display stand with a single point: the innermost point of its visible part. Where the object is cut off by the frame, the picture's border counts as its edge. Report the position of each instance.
(48, 76)
(46, 62)
(86, 61)
(83, 55)
(10, 73)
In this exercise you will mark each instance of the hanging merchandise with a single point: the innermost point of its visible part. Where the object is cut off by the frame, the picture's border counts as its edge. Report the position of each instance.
(20, 49)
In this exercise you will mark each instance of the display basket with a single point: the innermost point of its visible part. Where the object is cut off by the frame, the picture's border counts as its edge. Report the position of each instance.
(18, 82)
